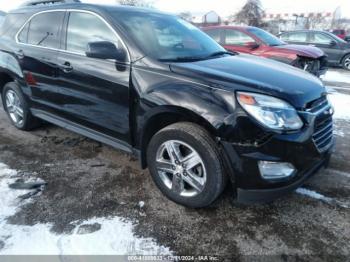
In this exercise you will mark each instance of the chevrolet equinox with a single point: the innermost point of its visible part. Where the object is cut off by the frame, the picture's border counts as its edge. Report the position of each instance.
(153, 85)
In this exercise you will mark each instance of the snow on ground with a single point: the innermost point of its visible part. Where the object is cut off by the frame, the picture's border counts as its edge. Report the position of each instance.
(341, 103)
(318, 196)
(337, 76)
(105, 236)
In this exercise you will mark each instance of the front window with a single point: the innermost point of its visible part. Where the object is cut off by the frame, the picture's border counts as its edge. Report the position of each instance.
(84, 28)
(266, 37)
(235, 37)
(166, 37)
(321, 39)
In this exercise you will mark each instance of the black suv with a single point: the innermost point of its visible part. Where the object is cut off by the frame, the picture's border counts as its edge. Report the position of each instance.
(154, 85)
(336, 49)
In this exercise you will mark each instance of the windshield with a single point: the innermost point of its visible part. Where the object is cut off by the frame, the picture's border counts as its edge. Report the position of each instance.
(266, 37)
(166, 37)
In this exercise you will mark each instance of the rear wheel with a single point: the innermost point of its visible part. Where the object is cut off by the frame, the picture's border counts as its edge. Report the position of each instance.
(186, 165)
(346, 62)
(17, 108)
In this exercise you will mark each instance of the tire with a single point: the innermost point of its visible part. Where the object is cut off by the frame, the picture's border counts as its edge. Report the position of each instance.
(346, 62)
(21, 116)
(207, 178)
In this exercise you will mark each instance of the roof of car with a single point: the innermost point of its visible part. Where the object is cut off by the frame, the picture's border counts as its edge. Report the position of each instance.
(228, 27)
(84, 6)
(306, 30)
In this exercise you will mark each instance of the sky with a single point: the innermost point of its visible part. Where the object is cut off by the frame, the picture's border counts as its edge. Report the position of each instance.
(228, 7)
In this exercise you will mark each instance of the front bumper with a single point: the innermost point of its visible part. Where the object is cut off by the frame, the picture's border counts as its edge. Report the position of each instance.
(247, 196)
(252, 188)
(307, 150)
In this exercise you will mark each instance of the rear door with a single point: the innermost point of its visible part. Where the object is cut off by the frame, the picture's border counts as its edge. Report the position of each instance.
(93, 92)
(37, 49)
(297, 38)
(328, 45)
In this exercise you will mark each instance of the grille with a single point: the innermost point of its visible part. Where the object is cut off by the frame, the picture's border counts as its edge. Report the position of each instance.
(323, 135)
(317, 104)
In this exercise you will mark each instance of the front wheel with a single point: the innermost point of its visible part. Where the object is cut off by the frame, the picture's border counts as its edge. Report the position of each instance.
(186, 165)
(346, 62)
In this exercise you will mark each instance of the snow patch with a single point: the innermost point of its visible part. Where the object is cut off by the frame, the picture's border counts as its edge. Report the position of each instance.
(113, 236)
(341, 103)
(318, 196)
(336, 76)
(312, 194)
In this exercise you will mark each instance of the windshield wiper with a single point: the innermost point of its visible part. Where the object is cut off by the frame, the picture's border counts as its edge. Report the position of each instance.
(181, 59)
(219, 53)
(196, 58)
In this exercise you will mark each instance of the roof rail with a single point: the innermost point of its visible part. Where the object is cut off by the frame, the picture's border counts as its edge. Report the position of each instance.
(48, 2)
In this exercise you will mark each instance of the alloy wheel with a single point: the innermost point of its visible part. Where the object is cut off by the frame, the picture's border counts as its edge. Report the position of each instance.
(347, 63)
(14, 107)
(181, 168)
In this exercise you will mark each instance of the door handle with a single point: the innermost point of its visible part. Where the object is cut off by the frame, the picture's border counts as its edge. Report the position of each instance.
(66, 67)
(20, 54)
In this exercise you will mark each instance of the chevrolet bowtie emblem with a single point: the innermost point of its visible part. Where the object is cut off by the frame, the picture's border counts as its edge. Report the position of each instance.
(329, 112)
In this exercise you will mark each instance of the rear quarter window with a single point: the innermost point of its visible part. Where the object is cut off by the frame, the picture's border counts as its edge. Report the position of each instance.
(43, 30)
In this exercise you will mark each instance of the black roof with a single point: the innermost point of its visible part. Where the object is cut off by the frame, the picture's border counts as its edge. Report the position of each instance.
(84, 6)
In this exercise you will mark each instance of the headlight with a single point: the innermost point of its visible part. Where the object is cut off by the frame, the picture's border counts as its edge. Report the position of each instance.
(269, 111)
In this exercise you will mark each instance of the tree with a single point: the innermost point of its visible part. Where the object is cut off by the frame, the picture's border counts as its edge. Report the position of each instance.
(143, 3)
(250, 14)
(316, 22)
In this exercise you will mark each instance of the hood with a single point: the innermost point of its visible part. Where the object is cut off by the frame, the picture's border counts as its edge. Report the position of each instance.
(251, 73)
(303, 50)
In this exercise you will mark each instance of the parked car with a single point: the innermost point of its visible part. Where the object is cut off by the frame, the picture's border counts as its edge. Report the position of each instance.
(337, 50)
(341, 33)
(155, 86)
(347, 38)
(255, 41)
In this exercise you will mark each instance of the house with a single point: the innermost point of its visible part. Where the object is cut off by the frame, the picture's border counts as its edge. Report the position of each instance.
(205, 19)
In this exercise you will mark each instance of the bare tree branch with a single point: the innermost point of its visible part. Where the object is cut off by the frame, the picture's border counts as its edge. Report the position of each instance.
(250, 14)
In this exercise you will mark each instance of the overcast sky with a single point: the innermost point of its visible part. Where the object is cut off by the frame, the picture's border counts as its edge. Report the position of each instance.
(227, 7)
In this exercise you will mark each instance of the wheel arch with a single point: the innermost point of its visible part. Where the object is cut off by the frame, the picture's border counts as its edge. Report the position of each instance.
(162, 117)
(5, 78)
(343, 57)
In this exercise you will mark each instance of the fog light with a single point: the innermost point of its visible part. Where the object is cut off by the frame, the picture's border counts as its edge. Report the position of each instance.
(275, 170)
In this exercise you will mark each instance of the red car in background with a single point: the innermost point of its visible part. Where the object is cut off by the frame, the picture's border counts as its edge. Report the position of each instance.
(255, 41)
(341, 33)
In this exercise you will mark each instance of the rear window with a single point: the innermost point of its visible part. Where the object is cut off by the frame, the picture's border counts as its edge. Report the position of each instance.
(295, 37)
(43, 30)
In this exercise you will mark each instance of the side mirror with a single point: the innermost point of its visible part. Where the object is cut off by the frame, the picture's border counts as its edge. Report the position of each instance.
(333, 43)
(251, 45)
(105, 50)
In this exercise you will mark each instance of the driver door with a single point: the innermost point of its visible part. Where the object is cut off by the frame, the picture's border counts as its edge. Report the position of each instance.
(327, 44)
(93, 92)
(235, 40)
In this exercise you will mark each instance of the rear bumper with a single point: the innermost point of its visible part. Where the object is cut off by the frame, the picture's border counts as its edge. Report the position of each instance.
(247, 196)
